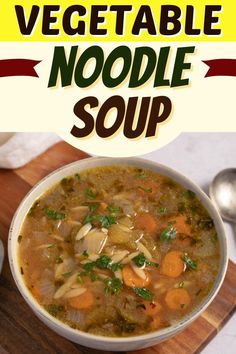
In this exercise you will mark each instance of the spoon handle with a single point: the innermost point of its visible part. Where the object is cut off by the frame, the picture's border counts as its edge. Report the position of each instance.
(1, 255)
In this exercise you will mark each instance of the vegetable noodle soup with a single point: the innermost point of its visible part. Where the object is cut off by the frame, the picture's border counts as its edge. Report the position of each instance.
(118, 251)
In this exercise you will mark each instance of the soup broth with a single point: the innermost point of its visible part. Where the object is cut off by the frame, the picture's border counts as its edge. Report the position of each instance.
(118, 251)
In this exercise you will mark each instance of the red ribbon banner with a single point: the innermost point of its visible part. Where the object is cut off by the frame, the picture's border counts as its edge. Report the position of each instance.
(18, 67)
(221, 67)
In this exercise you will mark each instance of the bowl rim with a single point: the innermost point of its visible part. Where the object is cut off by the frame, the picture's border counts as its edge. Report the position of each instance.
(92, 162)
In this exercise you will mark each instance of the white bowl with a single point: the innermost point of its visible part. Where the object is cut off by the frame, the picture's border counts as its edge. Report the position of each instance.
(95, 341)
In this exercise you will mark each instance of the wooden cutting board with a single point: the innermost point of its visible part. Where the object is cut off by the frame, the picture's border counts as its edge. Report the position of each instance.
(22, 333)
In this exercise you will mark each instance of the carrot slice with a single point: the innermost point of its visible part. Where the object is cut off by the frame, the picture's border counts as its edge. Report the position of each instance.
(146, 222)
(183, 230)
(172, 264)
(177, 299)
(181, 225)
(82, 301)
(132, 279)
(152, 308)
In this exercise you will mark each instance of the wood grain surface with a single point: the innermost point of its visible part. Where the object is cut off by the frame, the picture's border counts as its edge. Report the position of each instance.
(21, 332)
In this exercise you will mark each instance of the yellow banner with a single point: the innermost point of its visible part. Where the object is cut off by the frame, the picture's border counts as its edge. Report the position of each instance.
(117, 20)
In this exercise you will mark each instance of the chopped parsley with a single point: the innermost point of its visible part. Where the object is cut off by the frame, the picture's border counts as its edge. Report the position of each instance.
(85, 253)
(106, 220)
(113, 285)
(168, 234)
(77, 176)
(94, 207)
(189, 262)
(189, 194)
(181, 284)
(58, 260)
(144, 293)
(115, 266)
(141, 174)
(55, 215)
(214, 238)
(54, 309)
(89, 266)
(113, 209)
(19, 238)
(89, 271)
(140, 260)
(87, 219)
(162, 210)
(103, 262)
(89, 193)
(182, 306)
(67, 184)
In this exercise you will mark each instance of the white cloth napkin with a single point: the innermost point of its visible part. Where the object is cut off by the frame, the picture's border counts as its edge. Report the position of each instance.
(16, 149)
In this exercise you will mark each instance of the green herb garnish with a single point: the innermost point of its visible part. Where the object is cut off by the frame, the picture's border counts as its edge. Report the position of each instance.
(140, 260)
(106, 220)
(94, 207)
(54, 309)
(21, 270)
(115, 266)
(144, 293)
(141, 174)
(67, 184)
(113, 209)
(58, 260)
(190, 263)
(77, 176)
(181, 284)
(168, 234)
(103, 262)
(89, 266)
(85, 253)
(162, 210)
(89, 271)
(87, 219)
(182, 306)
(89, 193)
(147, 190)
(113, 285)
(19, 238)
(55, 215)
(214, 238)
(189, 194)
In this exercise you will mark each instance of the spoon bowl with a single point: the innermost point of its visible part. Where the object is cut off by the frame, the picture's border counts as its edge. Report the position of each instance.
(223, 193)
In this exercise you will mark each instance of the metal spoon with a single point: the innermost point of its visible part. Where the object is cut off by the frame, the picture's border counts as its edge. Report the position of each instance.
(223, 193)
(1, 255)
